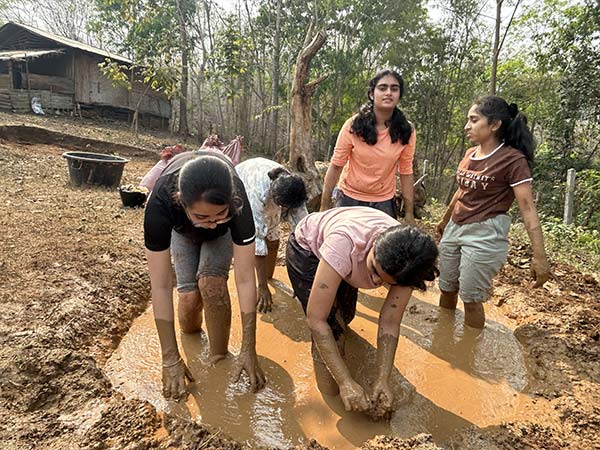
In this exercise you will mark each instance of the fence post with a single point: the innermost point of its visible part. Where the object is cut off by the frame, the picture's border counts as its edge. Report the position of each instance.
(570, 194)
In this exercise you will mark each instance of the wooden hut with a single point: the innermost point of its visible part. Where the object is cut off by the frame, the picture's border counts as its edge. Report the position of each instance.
(64, 75)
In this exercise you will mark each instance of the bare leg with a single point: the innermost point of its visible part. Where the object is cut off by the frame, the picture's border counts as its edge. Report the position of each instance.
(189, 311)
(272, 247)
(474, 315)
(217, 312)
(448, 300)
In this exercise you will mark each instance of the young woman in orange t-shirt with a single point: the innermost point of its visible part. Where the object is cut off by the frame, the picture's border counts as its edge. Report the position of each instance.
(371, 147)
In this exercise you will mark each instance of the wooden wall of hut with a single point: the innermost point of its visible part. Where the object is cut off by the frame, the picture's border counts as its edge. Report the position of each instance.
(93, 88)
(49, 83)
(19, 100)
(5, 81)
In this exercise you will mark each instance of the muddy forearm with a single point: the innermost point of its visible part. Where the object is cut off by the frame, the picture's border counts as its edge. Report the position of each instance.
(534, 230)
(386, 351)
(330, 354)
(168, 340)
(248, 332)
(261, 270)
(162, 305)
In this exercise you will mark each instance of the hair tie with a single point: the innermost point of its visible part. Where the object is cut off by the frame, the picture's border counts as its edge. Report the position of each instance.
(513, 110)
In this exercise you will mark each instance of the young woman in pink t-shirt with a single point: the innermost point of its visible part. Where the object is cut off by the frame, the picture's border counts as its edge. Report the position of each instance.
(329, 256)
(372, 147)
(474, 229)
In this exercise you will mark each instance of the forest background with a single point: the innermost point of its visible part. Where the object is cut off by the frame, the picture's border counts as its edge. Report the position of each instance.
(228, 68)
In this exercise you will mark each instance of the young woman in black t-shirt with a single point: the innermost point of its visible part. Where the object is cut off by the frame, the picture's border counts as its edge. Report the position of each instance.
(197, 208)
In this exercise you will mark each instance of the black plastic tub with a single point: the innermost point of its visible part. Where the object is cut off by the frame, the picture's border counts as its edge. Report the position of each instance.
(95, 168)
(132, 199)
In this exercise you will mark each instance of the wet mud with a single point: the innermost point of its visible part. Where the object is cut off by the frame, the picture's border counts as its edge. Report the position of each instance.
(445, 378)
(73, 279)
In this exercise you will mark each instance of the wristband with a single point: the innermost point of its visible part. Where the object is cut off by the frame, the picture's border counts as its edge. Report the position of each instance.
(168, 366)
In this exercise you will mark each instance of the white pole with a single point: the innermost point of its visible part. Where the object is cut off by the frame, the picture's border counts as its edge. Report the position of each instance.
(570, 194)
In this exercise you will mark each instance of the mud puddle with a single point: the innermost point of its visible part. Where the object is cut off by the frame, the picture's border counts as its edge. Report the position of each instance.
(446, 378)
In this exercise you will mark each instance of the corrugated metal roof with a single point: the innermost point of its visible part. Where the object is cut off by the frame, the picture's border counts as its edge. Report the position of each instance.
(24, 54)
(69, 42)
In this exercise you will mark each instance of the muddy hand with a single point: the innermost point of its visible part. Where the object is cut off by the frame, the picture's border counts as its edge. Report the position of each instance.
(249, 362)
(354, 397)
(383, 396)
(540, 271)
(174, 380)
(265, 300)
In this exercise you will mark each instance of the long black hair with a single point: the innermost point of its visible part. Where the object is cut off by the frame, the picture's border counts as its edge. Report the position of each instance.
(208, 178)
(364, 124)
(408, 255)
(513, 130)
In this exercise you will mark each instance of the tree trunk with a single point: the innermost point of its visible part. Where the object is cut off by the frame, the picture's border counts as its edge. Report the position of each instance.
(275, 82)
(496, 50)
(183, 122)
(302, 158)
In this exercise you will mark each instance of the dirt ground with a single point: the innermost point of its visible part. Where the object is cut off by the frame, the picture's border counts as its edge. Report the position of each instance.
(73, 277)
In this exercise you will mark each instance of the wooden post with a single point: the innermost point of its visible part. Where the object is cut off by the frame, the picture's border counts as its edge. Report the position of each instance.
(570, 194)
(425, 167)
(28, 82)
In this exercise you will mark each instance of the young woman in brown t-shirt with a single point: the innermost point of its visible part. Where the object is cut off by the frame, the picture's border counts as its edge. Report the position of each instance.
(474, 228)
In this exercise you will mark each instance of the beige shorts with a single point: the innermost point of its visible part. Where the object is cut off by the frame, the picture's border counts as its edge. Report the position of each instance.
(471, 255)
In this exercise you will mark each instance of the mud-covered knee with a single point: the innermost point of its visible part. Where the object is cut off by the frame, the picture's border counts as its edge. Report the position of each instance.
(213, 290)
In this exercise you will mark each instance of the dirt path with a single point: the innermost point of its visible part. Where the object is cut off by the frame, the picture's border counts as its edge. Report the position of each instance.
(73, 277)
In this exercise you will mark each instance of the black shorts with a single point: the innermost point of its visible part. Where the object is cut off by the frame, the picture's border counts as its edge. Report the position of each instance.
(302, 267)
(387, 206)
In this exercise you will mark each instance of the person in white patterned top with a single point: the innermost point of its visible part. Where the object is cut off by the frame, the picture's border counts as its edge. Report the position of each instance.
(275, 195)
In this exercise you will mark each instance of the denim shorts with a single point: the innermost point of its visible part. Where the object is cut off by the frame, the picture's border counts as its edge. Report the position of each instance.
(193, 260)
(471, 255)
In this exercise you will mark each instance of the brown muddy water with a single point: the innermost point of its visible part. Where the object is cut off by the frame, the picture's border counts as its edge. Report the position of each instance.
(445, 378)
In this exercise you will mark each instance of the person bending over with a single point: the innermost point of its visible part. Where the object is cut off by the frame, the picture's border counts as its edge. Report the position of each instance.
(197, 208)
(329, 256)
(275, 195)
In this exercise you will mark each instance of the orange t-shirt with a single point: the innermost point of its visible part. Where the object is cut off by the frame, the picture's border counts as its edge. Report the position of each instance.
(369, 170)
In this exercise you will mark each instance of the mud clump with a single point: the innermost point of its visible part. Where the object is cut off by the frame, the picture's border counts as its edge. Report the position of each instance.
(418, 442)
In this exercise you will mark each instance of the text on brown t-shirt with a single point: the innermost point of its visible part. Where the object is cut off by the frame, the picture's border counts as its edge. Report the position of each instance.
(486, 183)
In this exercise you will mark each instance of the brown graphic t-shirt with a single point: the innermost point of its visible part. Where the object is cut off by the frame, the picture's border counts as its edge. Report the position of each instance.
(486, 183)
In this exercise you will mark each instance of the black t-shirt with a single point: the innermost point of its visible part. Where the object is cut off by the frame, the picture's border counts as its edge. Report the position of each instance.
(164, 214)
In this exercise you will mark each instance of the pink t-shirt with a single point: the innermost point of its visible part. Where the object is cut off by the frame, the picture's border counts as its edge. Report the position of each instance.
(343, 238)
(369, 172)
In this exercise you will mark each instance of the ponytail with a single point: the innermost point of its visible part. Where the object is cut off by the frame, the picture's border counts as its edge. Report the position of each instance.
(519, 136)
(513, 130)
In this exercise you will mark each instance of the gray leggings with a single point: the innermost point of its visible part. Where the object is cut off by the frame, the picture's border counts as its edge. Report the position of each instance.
(194, 260)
